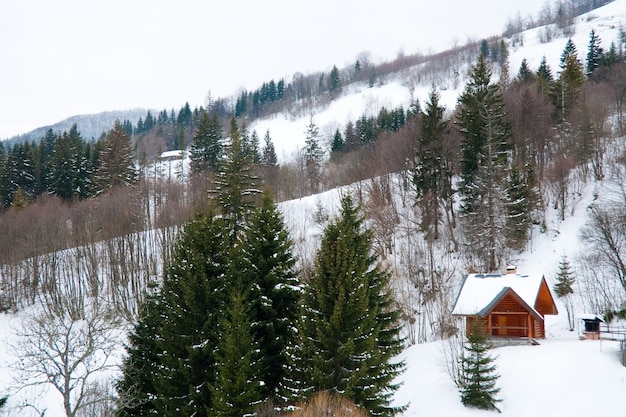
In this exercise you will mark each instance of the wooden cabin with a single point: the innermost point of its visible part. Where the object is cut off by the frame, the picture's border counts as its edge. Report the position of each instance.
(507, 305)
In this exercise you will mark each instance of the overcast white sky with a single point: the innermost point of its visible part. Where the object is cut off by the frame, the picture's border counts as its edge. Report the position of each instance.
(67, 57)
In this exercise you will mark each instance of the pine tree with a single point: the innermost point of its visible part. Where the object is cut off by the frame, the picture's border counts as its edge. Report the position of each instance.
(349, 332)
(337, 144)
(117, 165)
(518, 206)
(268, 156)
(206, 148)
(563, 288)
(235, 187)
(566, 89)
(334, 81)
(432, 173)
(267, 268)
(69, 176)
(524, 74)
(478, 382)
(485, 163)
(136, 389)
(236, 390)
(544, 78)
(594, 53)
(313, 154)
(194, 294)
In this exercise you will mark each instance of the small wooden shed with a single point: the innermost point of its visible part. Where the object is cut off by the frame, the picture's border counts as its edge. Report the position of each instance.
(510, 305)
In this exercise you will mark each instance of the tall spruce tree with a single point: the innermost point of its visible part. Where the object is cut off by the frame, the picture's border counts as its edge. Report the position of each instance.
(478, 382)
(266, 267)
(348, 331)
(136, 388)
(194, 293)
(206, 148)
(117, 165)
(485, 163)
(432, 175)
(563, 288)
(236, 391)
(594, 53)
(313, 154)
(566, 89)
(235, 189)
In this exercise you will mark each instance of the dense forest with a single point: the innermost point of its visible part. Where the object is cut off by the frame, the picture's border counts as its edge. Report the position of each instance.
(227, 317)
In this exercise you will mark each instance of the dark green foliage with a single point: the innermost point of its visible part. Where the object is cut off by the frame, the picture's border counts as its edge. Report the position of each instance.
(69, 176)
(207, 144)
(184, 119)
(485, 148)
(266, 267)
(594, 53)
(117, 166)
(136, 389)
(334, 81)
(237, 387)
(484, 48)
(268, 155)
(564, 279)
(313, 154)
(544, 78)
(349, 332)
(479, 377)
(337, 146)
(518, 204)
(235, 187)
(525, 75)
(194, 294)
(566, 89)
(432, 175)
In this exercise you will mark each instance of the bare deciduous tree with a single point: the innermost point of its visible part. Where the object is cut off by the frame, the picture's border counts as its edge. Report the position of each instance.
(70, 350)
(606, 235)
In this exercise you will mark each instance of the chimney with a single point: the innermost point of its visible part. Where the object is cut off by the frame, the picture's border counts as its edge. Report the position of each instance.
(511, 269)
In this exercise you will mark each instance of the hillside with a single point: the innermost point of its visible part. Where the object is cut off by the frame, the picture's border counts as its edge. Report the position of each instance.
(562, 376)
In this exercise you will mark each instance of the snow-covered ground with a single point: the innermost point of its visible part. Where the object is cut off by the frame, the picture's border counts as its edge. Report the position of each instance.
(288, 132)
(563, 376)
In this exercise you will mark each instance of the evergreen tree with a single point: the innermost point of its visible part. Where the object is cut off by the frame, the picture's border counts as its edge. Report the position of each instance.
(194, 294)
(594, 53)
(334, 81)
(349, 332)
(432, 175)
(337, 144)
(207, 144)
(563, 288)
(268, 156)
(236, 390)
(518, 205)
(478, 383)
(140, 367)
(313, 154)
(544, 78)
(253, 148)
(525, 75)
(267, 268)
(117, 165)
(69, 176)
(235, 186)
(485, 162)
(566, 89)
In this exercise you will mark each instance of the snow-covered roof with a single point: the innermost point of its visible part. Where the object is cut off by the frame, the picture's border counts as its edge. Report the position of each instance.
(589, 316)
(480, 290)
(177, 153)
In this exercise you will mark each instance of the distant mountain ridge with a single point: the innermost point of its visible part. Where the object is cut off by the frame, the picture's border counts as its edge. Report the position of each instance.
(91, 126)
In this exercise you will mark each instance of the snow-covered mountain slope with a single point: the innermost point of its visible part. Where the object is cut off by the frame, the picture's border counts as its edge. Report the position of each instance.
(288, 131)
